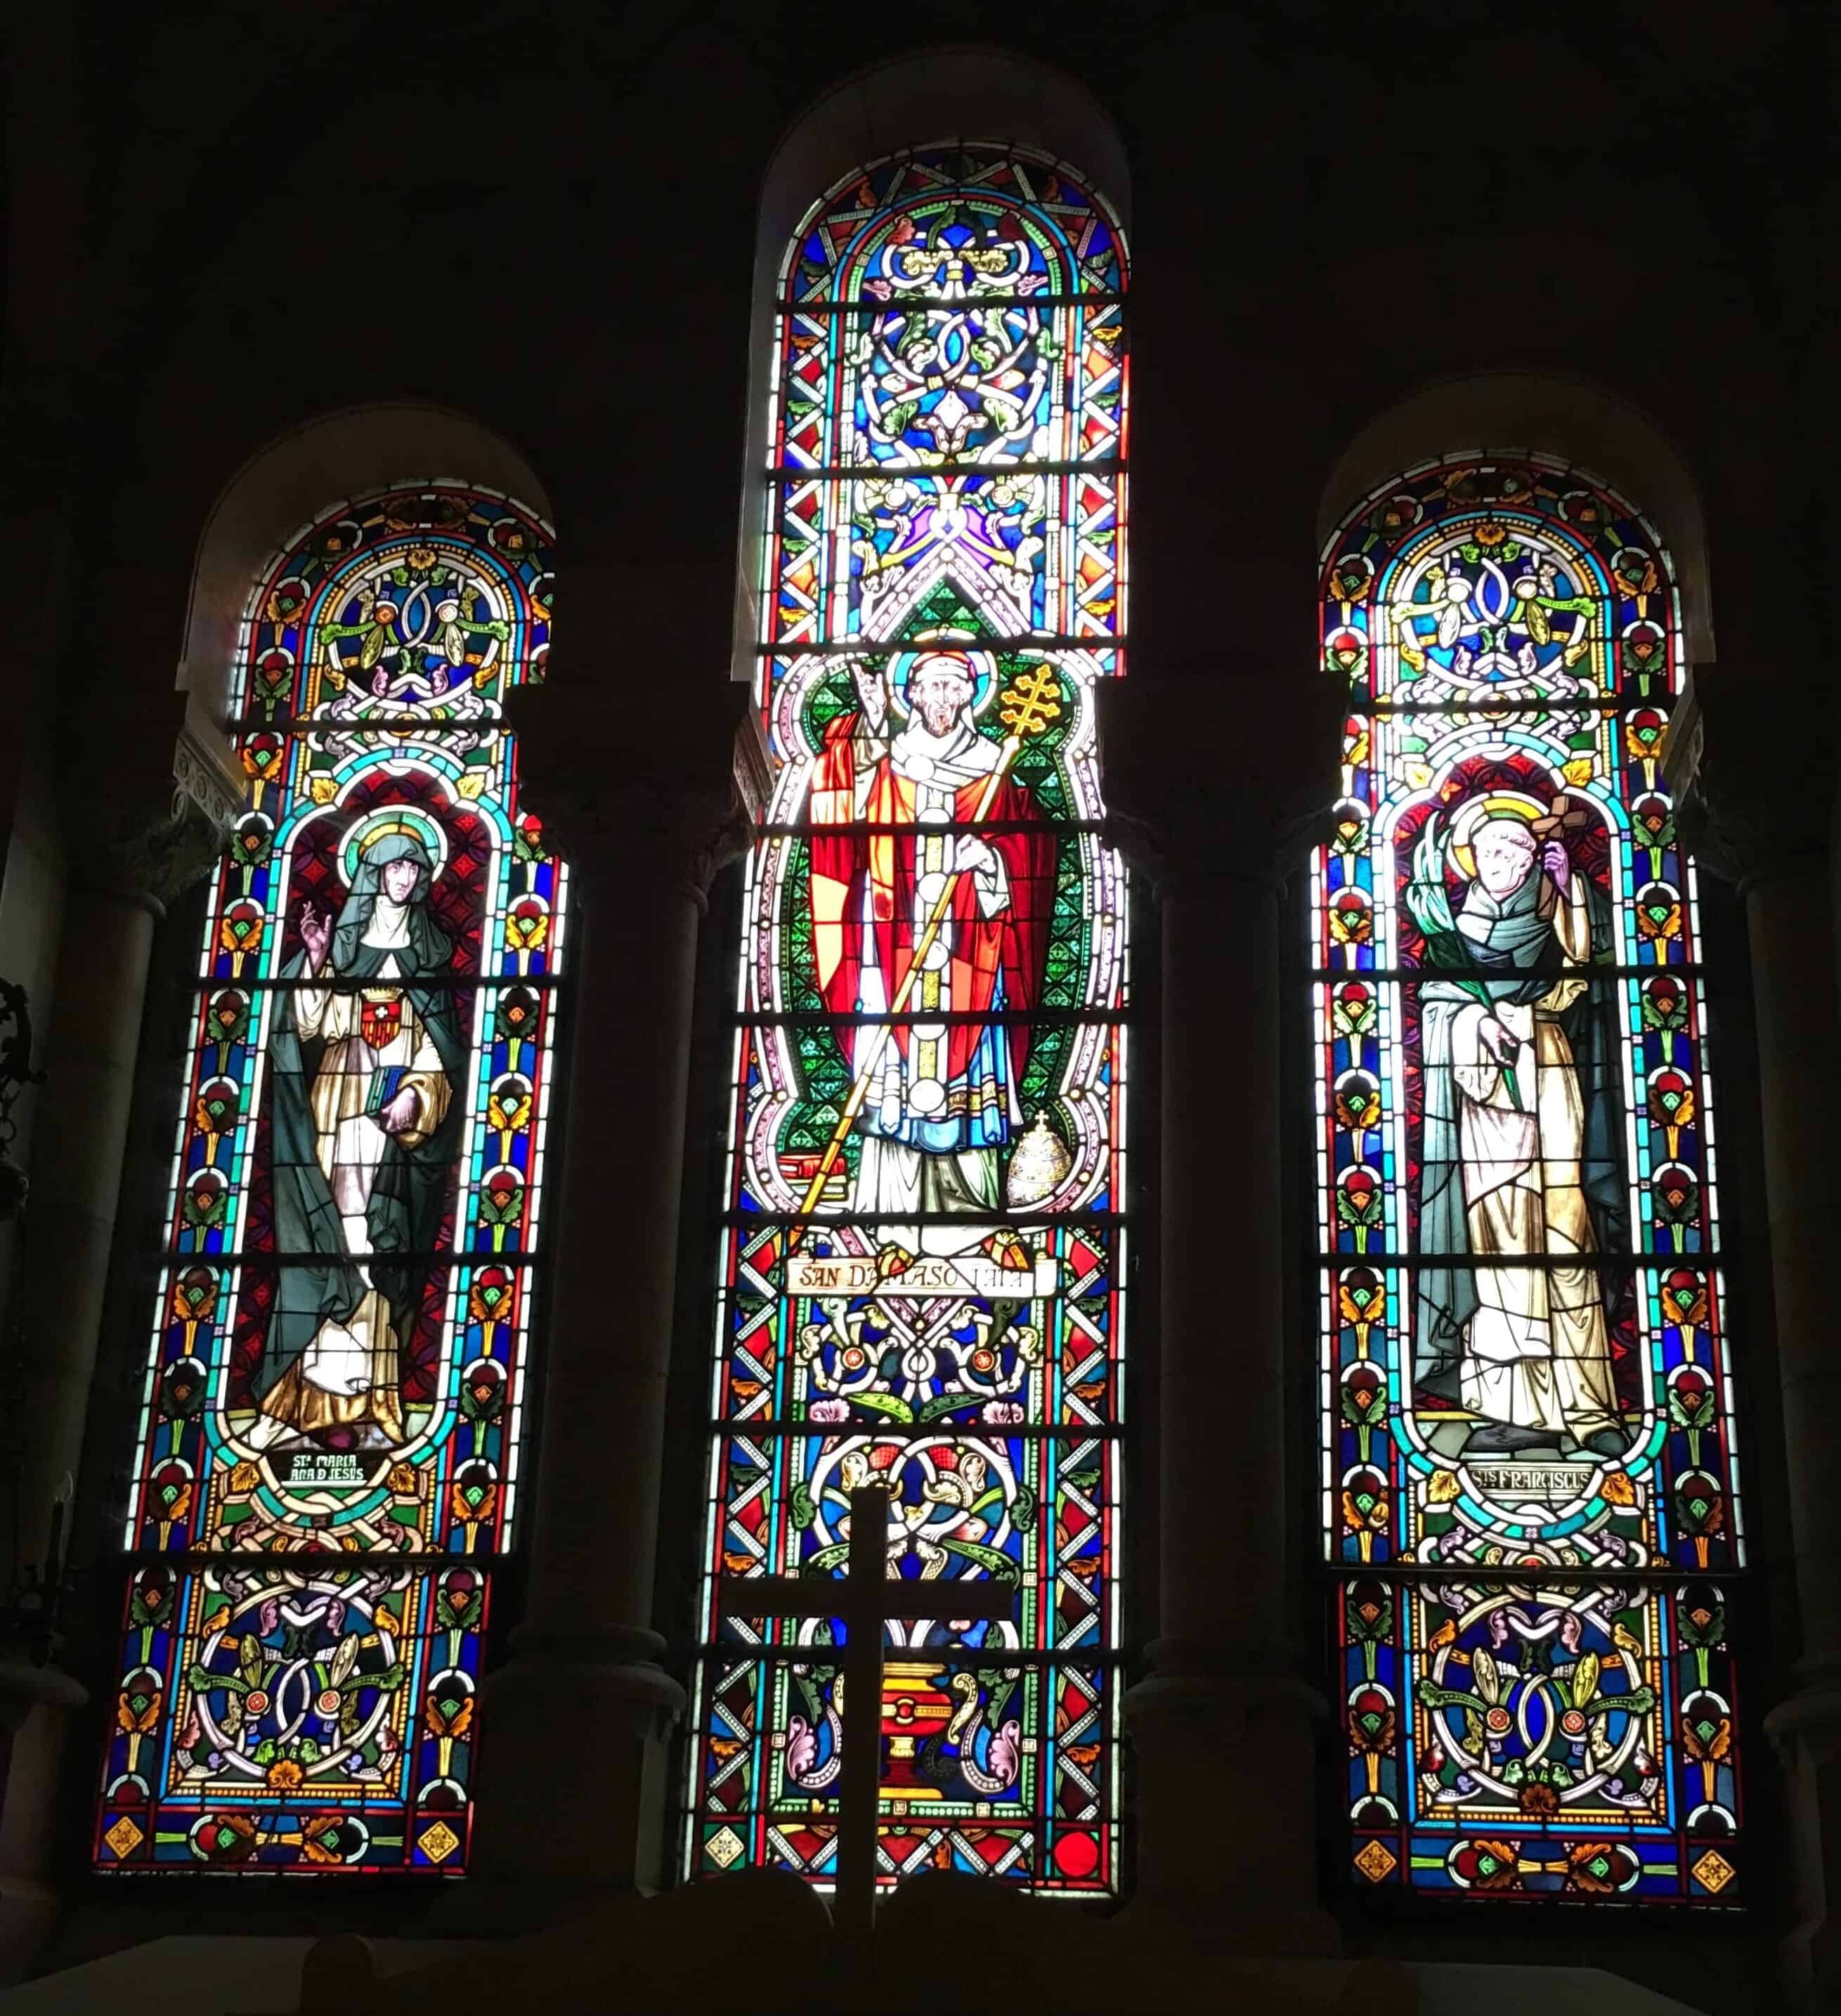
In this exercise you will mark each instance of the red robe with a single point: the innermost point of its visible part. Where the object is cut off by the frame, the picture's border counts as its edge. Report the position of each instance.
(1013, 942)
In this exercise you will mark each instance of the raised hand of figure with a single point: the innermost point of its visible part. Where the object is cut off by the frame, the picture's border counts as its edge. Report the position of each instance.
(872, 690)
(401, 1112)
(316, 933)
(1557, 863)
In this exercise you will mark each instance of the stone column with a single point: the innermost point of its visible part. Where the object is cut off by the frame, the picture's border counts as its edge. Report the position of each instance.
(1223, 1727)
(1748, 816)
(647, 793)
(141, 837)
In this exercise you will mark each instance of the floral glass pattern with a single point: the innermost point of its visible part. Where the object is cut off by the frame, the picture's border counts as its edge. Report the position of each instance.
(921, 1279)
(338, 1368)
(1530, 1490)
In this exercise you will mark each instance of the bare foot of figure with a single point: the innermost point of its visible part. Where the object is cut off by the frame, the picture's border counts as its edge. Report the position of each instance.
(1502, 1439)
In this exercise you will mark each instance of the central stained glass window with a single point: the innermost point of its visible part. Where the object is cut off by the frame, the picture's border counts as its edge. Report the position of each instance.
(923, 1255)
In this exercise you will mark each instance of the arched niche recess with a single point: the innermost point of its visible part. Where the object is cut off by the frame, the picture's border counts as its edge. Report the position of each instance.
(969, 90)
(343, 1338)
(1522, 1295)
(949, 339)
(1499, 412)
(283, 485)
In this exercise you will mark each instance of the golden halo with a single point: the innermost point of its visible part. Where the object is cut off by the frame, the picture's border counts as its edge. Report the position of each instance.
(942, 643)
(366, 832)
(1473, 812)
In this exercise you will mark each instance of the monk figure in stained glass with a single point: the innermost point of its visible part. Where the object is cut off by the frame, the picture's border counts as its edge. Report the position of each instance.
(364, 1119)
(1519, 1158)
(941, 1101)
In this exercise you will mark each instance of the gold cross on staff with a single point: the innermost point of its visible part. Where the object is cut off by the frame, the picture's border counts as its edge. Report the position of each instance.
(867, 1596)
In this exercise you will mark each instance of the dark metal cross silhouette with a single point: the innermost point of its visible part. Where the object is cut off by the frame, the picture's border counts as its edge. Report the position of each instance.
(867, 1598)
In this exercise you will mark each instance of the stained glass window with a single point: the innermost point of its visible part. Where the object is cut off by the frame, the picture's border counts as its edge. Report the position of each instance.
(1530, 1487)
(327, 1456)
(923, 1256)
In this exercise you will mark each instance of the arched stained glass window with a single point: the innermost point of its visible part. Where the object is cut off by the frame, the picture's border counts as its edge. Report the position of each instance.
(923, 1252)
(1530, 1490)
(327, 1459)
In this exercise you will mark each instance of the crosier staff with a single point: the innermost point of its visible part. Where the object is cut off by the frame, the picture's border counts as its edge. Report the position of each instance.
(1025, 709)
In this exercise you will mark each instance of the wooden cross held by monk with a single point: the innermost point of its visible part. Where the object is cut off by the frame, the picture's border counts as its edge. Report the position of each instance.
(1025, 709)
(867, 1599)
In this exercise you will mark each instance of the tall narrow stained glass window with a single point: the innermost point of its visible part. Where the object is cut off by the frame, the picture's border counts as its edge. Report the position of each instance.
(1530, 1489)
(923, 1258)
(327, 1457)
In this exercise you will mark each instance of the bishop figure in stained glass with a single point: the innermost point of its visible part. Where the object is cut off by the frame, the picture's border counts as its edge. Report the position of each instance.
(1520, 1125)
(942, 1097)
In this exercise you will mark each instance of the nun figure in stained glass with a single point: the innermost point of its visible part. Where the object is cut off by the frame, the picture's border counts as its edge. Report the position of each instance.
(364, 1122)
(1521, 1124)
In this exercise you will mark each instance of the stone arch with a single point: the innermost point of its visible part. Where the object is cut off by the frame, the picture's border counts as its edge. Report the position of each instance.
(971, 91)
(971, 242)
(285, 485)
(1498, 412)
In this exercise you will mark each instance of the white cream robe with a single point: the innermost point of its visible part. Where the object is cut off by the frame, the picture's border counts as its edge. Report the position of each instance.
(1537, 1353)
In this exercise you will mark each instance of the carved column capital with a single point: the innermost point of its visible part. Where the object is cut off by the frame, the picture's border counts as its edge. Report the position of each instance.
(1229, 774)
(678, 775)
(1752, 772)
(150, 818)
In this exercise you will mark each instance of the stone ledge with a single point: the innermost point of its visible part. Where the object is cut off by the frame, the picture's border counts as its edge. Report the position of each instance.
(762, 1942)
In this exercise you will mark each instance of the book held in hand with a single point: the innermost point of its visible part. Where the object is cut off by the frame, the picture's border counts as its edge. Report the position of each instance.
(387, 1082)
